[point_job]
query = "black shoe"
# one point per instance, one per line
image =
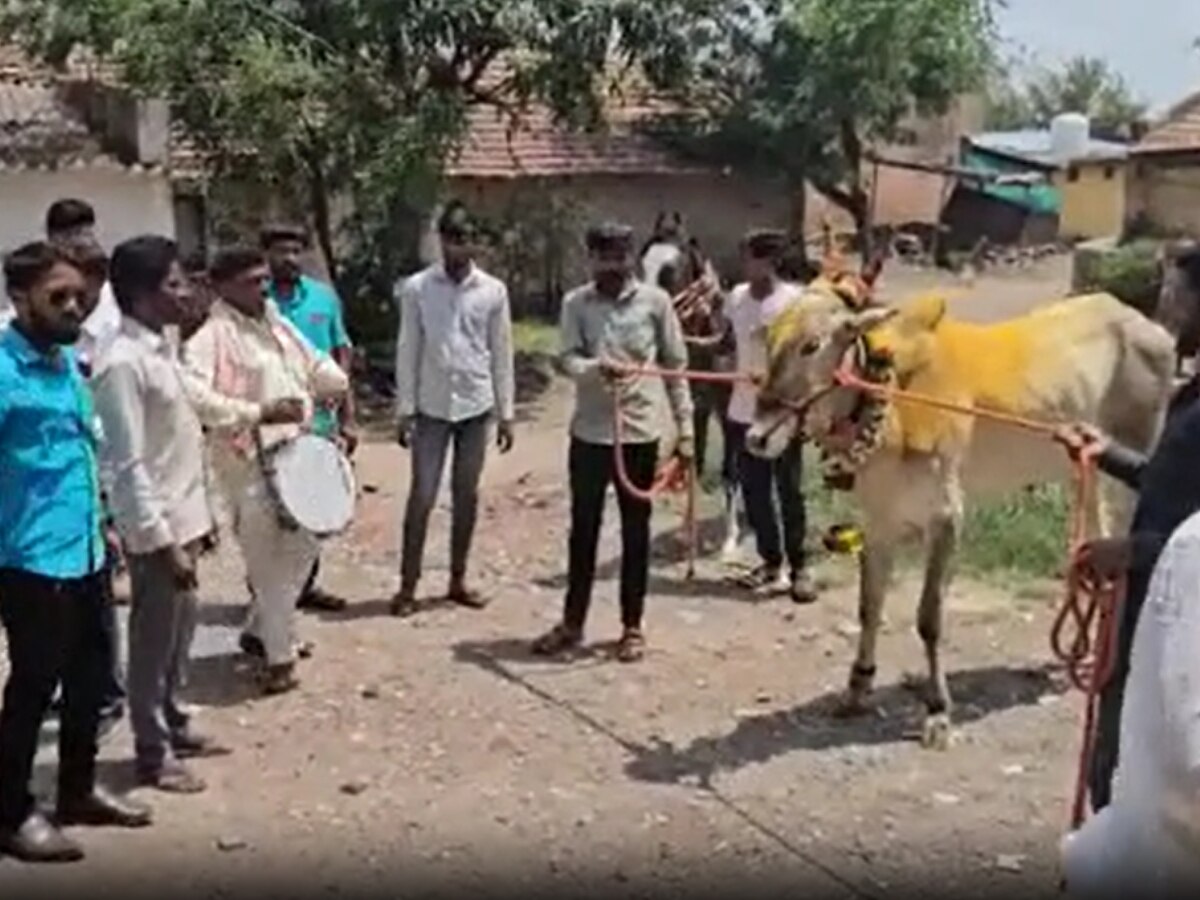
(251, 646)
(189, 745)
(171, 778)
(317, 600)
(102, 808)
(39, 841)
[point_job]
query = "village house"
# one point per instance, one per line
(1077, 192)
(1165, 174)
(66, 135)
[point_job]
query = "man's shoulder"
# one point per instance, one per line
(651, 294)
(321, 292)
(489, 281)
(579, 295)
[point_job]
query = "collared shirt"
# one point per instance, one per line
(751, 318)
(100, 329)
(152, 460)
(316, 311)
(50, 514)
(1147, 841)
(235, 365)
(454, 357)
(639, 327)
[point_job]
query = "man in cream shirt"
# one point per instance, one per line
(248, 369)
(152, 464)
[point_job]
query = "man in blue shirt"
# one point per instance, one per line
(316, 310)
(52, 558)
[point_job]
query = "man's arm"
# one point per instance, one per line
(1123, 464)
(500, 346)
(216, 411)
(408, 351)
(138, 509)
(575, 356)
(672, 351)
(1180, 664)
(326, 379)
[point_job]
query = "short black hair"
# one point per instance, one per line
(86, 254)
(139, 266)
(231, 262)
(30, 263)
(195, 263)
(456, 220)
(765, 243)
(277, 232)
(608, 236)
(68, 215)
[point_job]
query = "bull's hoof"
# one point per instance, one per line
(852, 706)
(936, 733)
(730, 552)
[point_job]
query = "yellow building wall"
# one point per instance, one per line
(1093, 205)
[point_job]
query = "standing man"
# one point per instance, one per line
(89, 258)
(153, 461)
(754, 305)
(1168, 486)
(254, 379)
(51, 560)
(75, 221)
(454, 374)
(316, 311)
(607, 325)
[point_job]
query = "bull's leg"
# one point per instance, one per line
(875, 574)
(733, 512)
(943, 541)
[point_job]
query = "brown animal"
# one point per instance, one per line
(1088, 358)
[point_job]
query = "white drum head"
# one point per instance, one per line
(315, 484)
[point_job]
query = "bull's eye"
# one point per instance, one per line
(809, 347)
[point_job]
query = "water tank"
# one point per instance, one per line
(1069, 135)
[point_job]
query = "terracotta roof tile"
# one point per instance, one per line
(1180, 131)
(537, 146)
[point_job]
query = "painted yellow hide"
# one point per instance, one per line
(1026, 366)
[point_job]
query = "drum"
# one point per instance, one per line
(312, 483)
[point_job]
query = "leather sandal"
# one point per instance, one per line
(558, 640)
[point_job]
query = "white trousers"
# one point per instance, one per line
(278, 561)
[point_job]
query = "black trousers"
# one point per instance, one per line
(765, 482)
(56, 634)
(711, 401)
(1112, 696)
(592, 469)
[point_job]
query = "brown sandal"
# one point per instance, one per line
(558, 640)
(631, 647)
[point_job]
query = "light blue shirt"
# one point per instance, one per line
(50, 513)
(316, 311)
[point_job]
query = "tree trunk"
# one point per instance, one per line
(797, 264)
(320, 208)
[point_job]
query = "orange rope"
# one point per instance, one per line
(1087, 607)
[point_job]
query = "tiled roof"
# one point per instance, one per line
(1179, 132)
(535, 145)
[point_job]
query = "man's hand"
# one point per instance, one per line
(183, 567)
(504, 436)
(1105, 560)
(404, 431)
(1081, 439)
(349, 439)
(615, 372)
(112, 546)
(288, 411)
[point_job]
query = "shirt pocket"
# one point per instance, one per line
(631, 335)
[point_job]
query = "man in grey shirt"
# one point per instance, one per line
(454, 374)
(607, 325)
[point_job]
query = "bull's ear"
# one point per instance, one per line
(871, 318)
(924, 313)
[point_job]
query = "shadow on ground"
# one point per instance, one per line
(812, 726)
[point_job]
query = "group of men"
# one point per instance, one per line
(136, 388)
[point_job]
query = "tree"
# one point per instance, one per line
(1085, 85)
(359, 99)
(804, 87)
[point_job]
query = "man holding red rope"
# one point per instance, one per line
(608, 325)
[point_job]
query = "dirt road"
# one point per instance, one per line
(433, 752)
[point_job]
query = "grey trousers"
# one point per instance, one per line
(162, 621)
(431, 443)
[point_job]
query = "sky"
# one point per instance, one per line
(1150, 42)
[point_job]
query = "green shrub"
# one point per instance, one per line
(1130, 273)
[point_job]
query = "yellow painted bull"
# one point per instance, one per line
(1088, 358)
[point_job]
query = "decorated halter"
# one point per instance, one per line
(861, 432)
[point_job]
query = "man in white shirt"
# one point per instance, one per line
(1146, 842)
(454, 374)
(254, 378)
(74, 221)
(152, 463)
(753, 306)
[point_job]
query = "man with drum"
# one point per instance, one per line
(316, 311)
(154, 471)
(454, 375)
(255, 381)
